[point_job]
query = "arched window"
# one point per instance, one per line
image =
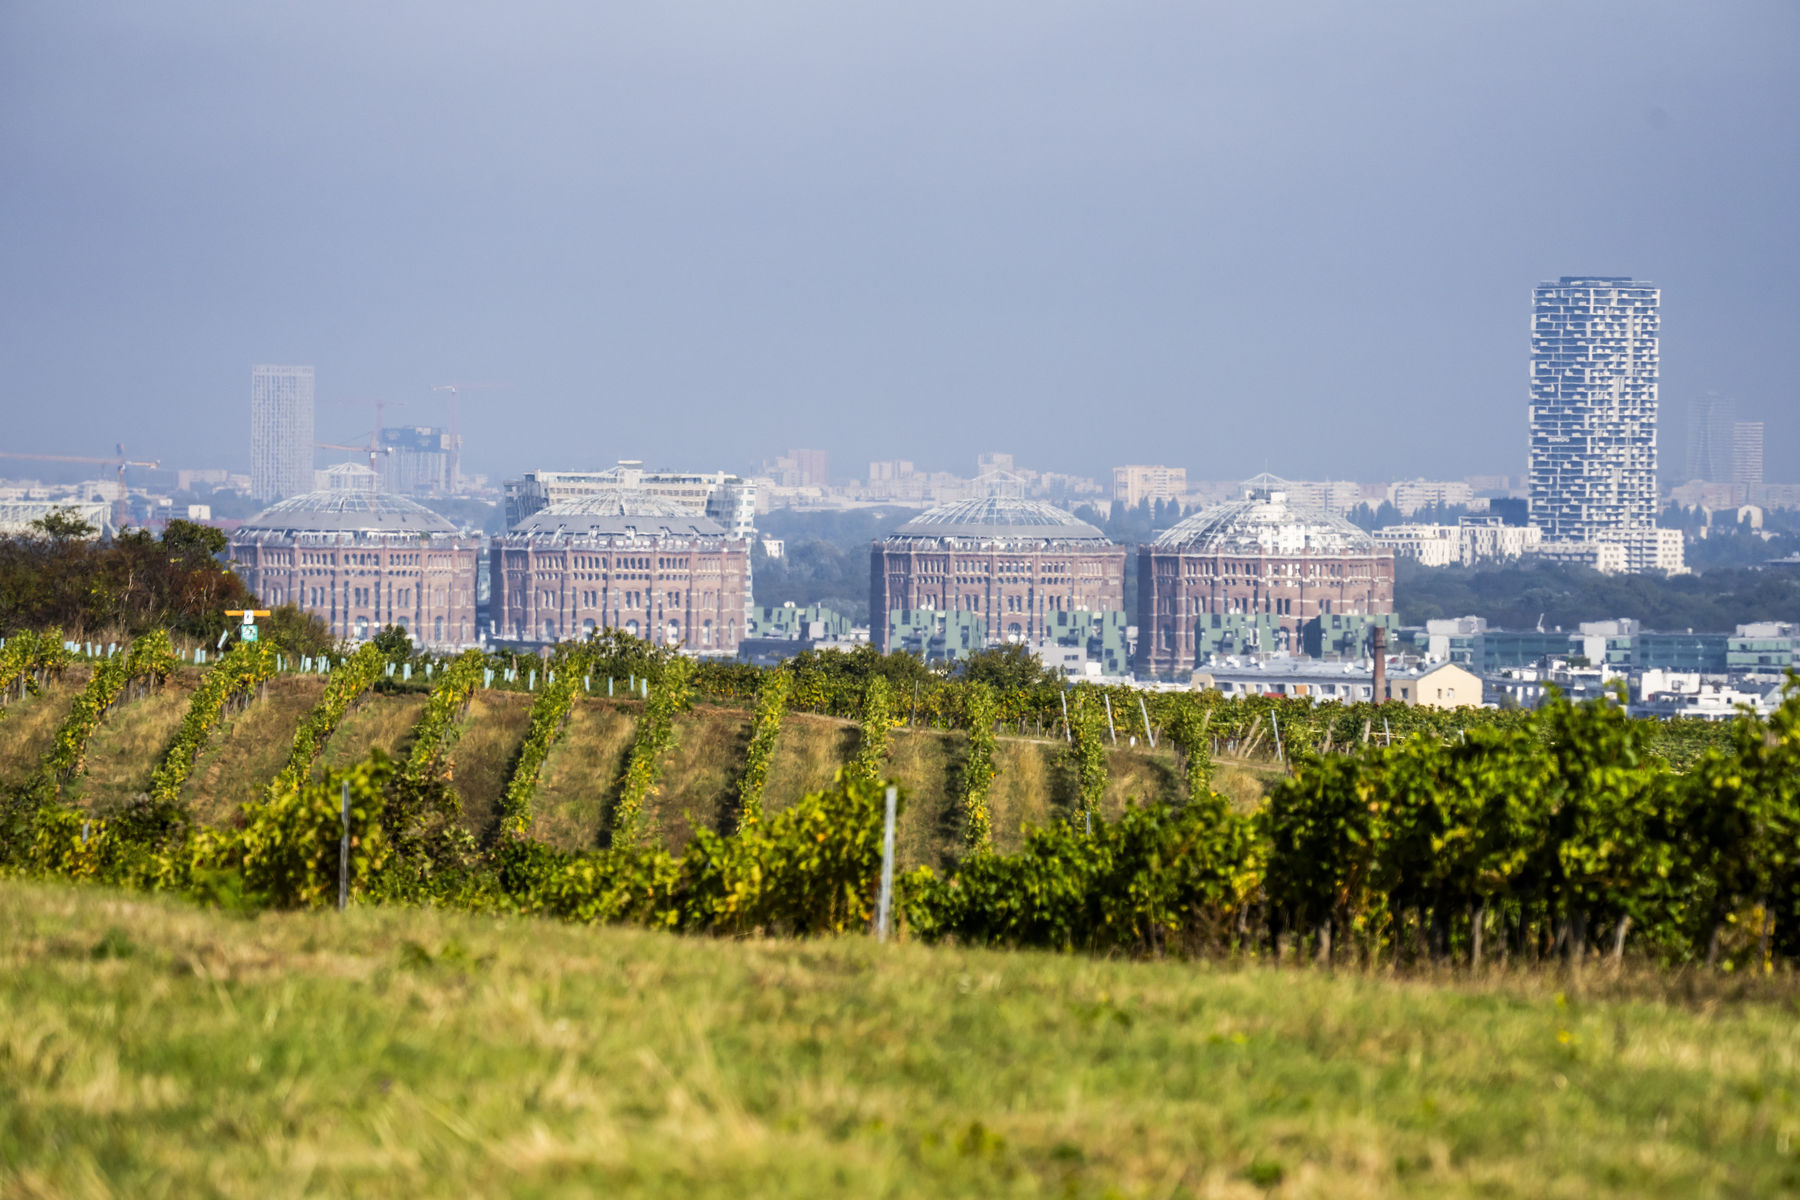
(1013, 632)
(549, 629)
(362, 629)
(437, 630)
(631, 627)
(706, 633)
(587, 627)
(674, 632)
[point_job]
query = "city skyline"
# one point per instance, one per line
(699, 242)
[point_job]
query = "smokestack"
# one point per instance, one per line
(1380, 651)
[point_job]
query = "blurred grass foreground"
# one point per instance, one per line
(152, 1048)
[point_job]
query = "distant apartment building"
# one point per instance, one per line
(1747, 453)
(281, 431)
(1594, 374)
(416, 460)
(727, 499)
(891, 471)
(1338, 496)
(1470, 541)
(797, 468)
(1606, 557)
(1594, 364)
(1410, 495)
(993, 460)
(1428, 545)
(1709, 438)
(1158, 484)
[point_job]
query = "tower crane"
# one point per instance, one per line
(456, 390)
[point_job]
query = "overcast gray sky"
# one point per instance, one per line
(1300, 236)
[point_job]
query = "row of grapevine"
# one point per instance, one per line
(146, 663)
(549, 712)
(869, 765)
(1087, 750)
(765, 728)
(654, 735)
(436, 729)
(346, 684)
(978, 768)
(27, 660)
(230, 680)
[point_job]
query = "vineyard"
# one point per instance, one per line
(615, 782)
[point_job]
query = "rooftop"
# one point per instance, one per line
(998, 519)
(1265, 520)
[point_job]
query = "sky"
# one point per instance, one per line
(1294, 237)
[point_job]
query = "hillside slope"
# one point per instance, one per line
(580, 779)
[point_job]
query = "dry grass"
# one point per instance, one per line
(581, 774)
(482, 758)
(129, 745)
(807, 756)
(29, 727)
(377, 722)
(700, 774)
(149, 1048)
(245, 755)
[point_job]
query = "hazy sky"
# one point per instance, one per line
(1300, 236)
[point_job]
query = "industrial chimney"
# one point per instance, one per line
(1380, 650)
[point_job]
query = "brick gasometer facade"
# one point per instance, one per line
(1006, 560)
(1256, 556)
(357, 583)
(1011, 589)
(666, 589)
(360, 559)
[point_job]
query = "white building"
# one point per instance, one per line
(1608, 558)
(1686, 694)
(17, 515)
(1594, 370)
(1470, 541)
(727, 499)
(1650, 550)
(1425, 685)
(281, 431)
(1410, 495)
(1430, 545)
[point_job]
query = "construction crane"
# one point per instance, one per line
(119, 461)
(456, 390)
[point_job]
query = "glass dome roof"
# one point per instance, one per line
(623, 512)
(1265, 521)
(997, 519)
(347, 511)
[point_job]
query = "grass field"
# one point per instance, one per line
(150, 1048)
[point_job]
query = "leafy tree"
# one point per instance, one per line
(1007, 668)
(63, 525)
(395, 644)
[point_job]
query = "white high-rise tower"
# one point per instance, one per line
(1593, 407)
(1594, 372)
(281, 431)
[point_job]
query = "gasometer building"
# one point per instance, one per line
(1007, 562)
(1259, 560)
